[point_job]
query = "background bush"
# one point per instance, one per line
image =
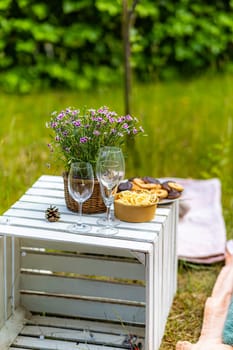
(78, 44)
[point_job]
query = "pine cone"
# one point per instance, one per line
(52, 214)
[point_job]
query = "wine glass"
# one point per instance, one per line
(110, 169)
(80, 186)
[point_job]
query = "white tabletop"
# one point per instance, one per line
(26, 219)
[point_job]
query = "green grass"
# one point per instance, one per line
(190, 134)
(185, 319)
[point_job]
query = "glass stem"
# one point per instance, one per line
(80, 213)
(108, 215)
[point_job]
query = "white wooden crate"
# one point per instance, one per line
(84, 290)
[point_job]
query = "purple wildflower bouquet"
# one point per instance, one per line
(77, 136)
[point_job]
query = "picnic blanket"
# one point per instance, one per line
(216, 331)
(201, 227)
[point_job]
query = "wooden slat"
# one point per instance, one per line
(89, 287)
(92, 240)
(82, 265)
(84, 335)
(34, 206)
(43, 200)
(55, 193)
(124, 232)
(49, 179)
(67, 332)
(47, 344)
(83, 308)
(94, 326)
(148, 227)
(27, 207)
(67, 217)
(48, 185)
(71, 247)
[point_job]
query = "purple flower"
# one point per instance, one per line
(87, 129)
(111, 120)
(77, 122)
(60, 116)
(97, 119)
(120, 119)
(103, 110)
(83, 139)
(125, 126)
(128, 117)
(92, 111)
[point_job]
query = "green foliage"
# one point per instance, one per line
(84, 38)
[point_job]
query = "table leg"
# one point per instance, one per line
(5, 277)
(13, 274)
(151, 331)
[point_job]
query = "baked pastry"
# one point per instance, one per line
(168, 189)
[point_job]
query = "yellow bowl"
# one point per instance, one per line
(134, 213)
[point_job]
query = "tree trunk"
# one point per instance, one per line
(126, 24)
(126, 52)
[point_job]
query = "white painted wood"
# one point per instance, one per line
(66, 332)
(88, 308)
(84, 335)
(149, 250)
(160, 290)
(82, 286)
(11, 273)
(45, 184)
(32, 209)
(37, 233)
(69, 323)
(151, 332)
(12, 328)
(89, 265)
(79, 248)
(150, 228)
(2, 292)
(140, 256)
(49, 179)
(47, 344)
(8, 277)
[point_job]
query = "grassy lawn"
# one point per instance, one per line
(190, 134)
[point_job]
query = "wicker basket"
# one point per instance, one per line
(94, 204)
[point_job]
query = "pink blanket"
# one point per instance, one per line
(201, 231)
